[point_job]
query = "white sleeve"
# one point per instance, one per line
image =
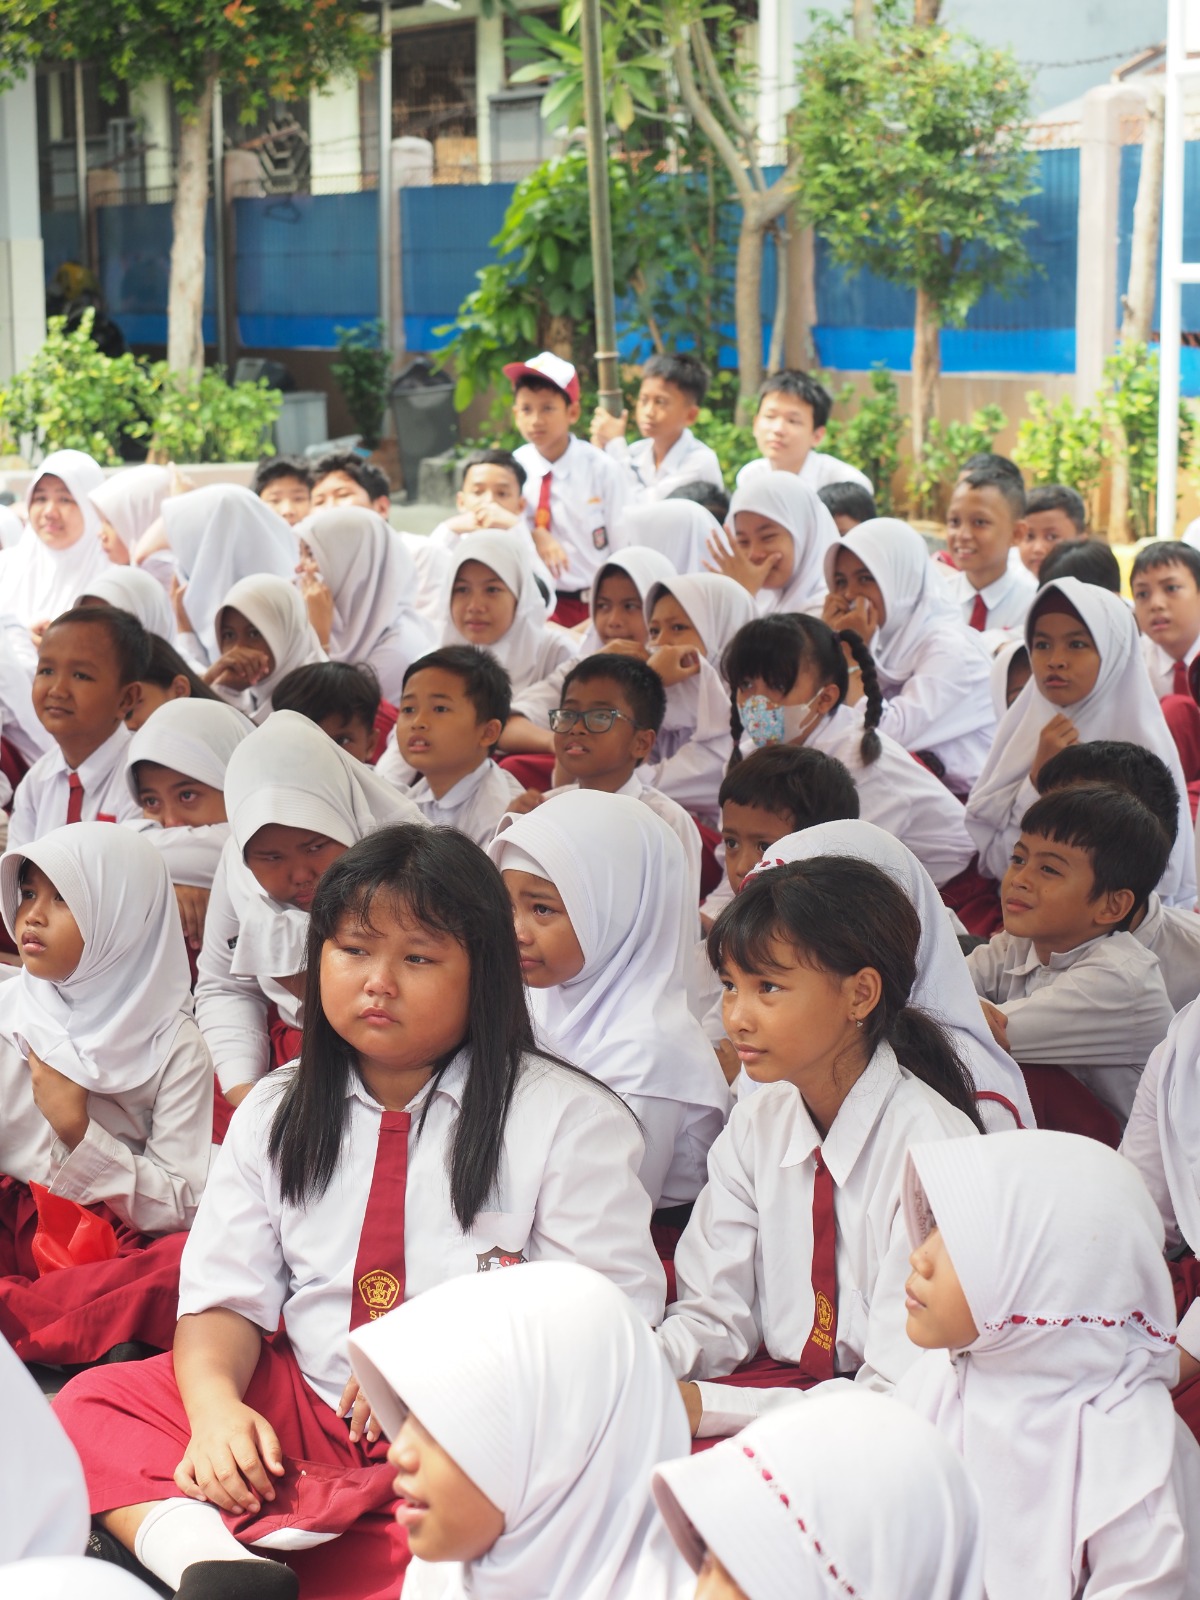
(22, 822)
(537, 700)
(985, 964)
(661, 1121)
(692, 776)
(155, 1190)
(932, 707)
(232, 1012)
(1094, 1014)
(1142, 1145)
(1142, 1555)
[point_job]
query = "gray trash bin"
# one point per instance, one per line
(426, 421)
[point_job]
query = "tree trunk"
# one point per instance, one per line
(864, 21)
(925, 12)
(185, 304)
(926, 368)
(781, 318)
(800, 348)
(747, 292)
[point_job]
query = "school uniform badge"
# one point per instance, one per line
(379, 1291)
(600, 538)
(495, 1258)
(823, 1324)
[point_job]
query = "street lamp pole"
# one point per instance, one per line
(598, 199)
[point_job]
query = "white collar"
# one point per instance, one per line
(857, 1117)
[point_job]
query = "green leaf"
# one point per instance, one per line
(550, 253)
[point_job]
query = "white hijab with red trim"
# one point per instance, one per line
(1061, 1407)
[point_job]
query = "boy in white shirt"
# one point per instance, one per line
(848, 504)
(1066, 983)
(1054, 514)
(455, 702)
(793, 410)
(1165, 583)
(984, 525)
(492, 497)
(668, 454)
(89, 663)
(577, 493)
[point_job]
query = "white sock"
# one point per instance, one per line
(178, 1532)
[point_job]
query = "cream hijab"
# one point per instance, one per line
(130, 500)
(716, 606)
(548, 1390)
(192, 737)
(132, 589)
(277, 610)
(372, 579)
(677, 529)
(643, 567)
(782, 497)
(530, 649)
(37, 583)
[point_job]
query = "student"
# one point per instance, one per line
(1171, 934)
(167, 676)
(59, 552)
(132, 589)
(712, 497)
(453, 706)
(128, 503)
(873, 1501)
(1066, 983)
(794, 1252)
(933, 670)
(295, 802)
(1039, 1295)
(357, 580)
(1054, 514)
(89, 665)
(422, 1136)
(1010, 672)
(107, 1087)
(1165, 584)
(777, 791)
(605, 935)
(989, 461)
(780, 533)
(668, 454)
(491, 601)
(1089, 560)
(789, 424)
(985, 523)
(285, 483)
(502, 1498)
(492, 499)
(264, 633)
(576, 492)
(343, 701)
(789, 683)
(848, 504)
(1088, 682)
(344, 479)
(681, 530)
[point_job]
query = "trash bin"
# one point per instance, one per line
(426, 421)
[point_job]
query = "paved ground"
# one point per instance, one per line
(417, 518)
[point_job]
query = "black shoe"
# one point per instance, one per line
(101, 1546)
(238, 1580)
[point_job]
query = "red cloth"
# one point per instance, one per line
(385, 721)
(12, 763)
(222, 1112)
(128, 1424)
(979, 614)
(571, 610)
(531, 770)
(816, 1359)
(711, 870)
(74, 798)
(1185, 1279)
(761, 1371)
(1064, 1105)
(379, 1264)
(1179, 680)
(80, 1313)
(1182, 717)
(285, 1040)
(975, 899)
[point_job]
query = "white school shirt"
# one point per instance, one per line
(474, 805)
(1102, 1005)
(567, 1190)
(744, 1264)
(1161, 666)
(191, 854)
(672, 813)
(587, 494)
(40, 803)
(687, 461)
(146, 1151)
(818, 472)
(694, 745)
(1007, 600)
(1173, 936)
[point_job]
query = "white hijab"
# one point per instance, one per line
(559, 1412)
(943, 987)
(643, 567)
(11, 528)
(372, 579)
(193, 737)
(622, 876)
(1122, 705)
(37, 583)
(130, 500)
(70, 1578)
(111, 1024)
(41, 1481)
(218, 535)
(847, 1493)
(277, 610)
(132, 589)
(782, 497)
(678, 529)
(998, 677)
(1061, 1407)
(1178, 1120)
(716, 607)
(531, 649)
(289, 772)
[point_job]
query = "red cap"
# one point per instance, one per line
(550, 367)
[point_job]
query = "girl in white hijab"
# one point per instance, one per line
(534, 1443)
(616, 873)
(127, 503)
(933, 669)
(681, 530)
(59, 553)
(369, 580)
(264, 633)
(781, 532)
(1040, 1294)
(133, 590)
(491, 600)
(1112, 699)
(847, 1494)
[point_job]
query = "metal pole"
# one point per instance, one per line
(1170, 315)
(385, 168)
(602, 267)
(81, 168)
(220, 265)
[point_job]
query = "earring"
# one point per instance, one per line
(858, 1021)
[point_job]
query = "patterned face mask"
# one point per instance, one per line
(767, 723)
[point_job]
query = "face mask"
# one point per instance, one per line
(767, 723)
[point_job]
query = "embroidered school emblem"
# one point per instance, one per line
(379, 1291)
(821, 1329)
(600, 538)
(495, 1258)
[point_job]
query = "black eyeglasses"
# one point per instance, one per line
(594, 721)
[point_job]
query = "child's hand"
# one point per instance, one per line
(193, 904)
(551, 552)
(238, 668)
(182, 621)
(625, 647)
(489, 515)
(606, 427)
(1058, 733)
(839, 613)
(318, 598)
(36, 631)
(525, 803)
(1189, 1367)
(996, 1021)
(362, 1423)
(61, 1102)
(230, 1459)
(731, 562)
(464, 522)
(692, 1405)
(674, 662)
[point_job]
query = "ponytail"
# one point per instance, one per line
(870, 749)
(926, 1049)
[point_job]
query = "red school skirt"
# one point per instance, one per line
(130, 1429)
(79, 1313)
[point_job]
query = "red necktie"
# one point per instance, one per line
(816, 1359)
(979, 614)
(379, 1265)
(74, 798)
(1181, 684)
(541, 517)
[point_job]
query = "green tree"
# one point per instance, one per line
(279, 50)
(1129, 403)
(910, 144)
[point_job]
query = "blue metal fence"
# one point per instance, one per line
(306, 265)
(135, 270)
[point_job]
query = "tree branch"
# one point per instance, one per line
(711, 125)
(743, 132)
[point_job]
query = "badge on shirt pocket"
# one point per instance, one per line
(495, 1258)
(600, 538)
